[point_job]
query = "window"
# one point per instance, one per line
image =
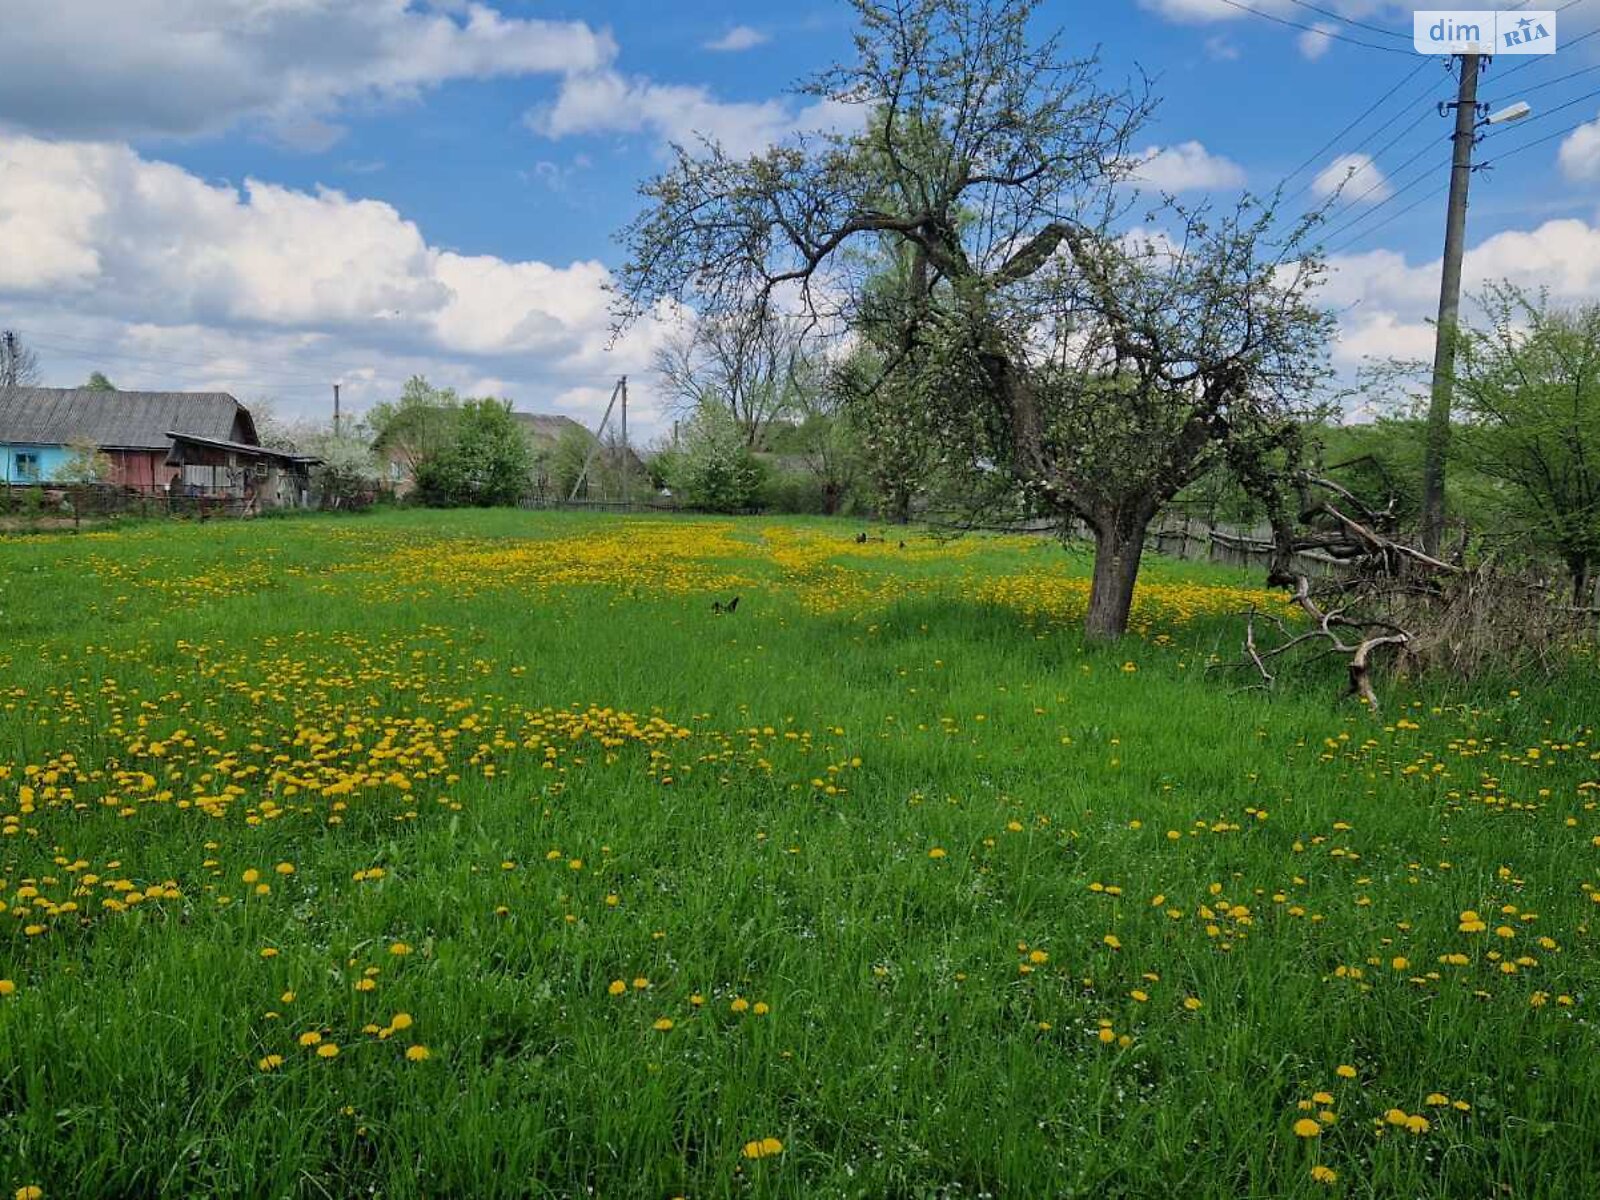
(27, 467)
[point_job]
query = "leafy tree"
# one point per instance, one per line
(19, 366)
(712, 467)
(349, 473)
(567, 457)
(85, 471)
(488, 462)
(97, 382)
(894, 444)
(1529, 393)
(418, 427)
(1092, 374)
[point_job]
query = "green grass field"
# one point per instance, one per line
(473, 855)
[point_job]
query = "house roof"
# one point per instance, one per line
(244, 448)
(548, 426)
(119, 420)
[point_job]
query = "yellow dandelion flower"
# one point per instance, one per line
(1307, 1128)
(328, 1050)
(763, 1148)
(418, 1054)
(1324, 1174)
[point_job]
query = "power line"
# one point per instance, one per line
(1338, 37)
(1327, 12)
(1549, 137)
(1539, 87)
(1370, 109)
(1382, 204)
(1389, 220)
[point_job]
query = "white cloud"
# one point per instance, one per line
(609, 102)
(129, 68)
(1315, 42)
(1188, 166)
(1220, 49)
(1354, 176)
(234, 287)
(740, 37)
(1580, 154)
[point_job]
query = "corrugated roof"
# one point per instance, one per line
(129, 420)
(241, 448)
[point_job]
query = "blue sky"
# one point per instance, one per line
(266, 195)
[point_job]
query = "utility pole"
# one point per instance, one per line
(627, 459)
(336, 410)
(1437, 447)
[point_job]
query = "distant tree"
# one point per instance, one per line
(85, 471)
(754, 365)
(713, 467)
(1529, 388)
(488, 462)
(419, 426)
(349, 473)
(566, 460)
(97, 382)
(19, 366)
(896, 449)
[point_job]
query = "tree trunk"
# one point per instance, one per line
(1582, 582)
(1117, 547)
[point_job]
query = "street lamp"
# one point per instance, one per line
(1512, 112)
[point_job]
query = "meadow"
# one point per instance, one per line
(475, 855)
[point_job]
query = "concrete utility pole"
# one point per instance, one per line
(336, 410)
(1444, 353)
(627, 460)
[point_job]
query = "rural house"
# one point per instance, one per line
(201, 444)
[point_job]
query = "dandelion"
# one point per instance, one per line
(7, 987)
(765, 1147)
(1113, 941)
(937, 852)
(617, 987)
(400, 1021)
(1325, 1175)
(1345, 1071)
(1192, 1003)
(30, 1192)
(740, 1004)
(762, 1008)
(663, 1025)
(310, 1038)
(1307, 1128)
(399, 949)
(328, 1050)
(418, 1054)
(270, 1063)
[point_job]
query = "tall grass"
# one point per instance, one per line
(893, 871)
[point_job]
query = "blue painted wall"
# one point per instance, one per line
(51, 459)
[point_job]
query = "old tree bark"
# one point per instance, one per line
(1091, 373)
